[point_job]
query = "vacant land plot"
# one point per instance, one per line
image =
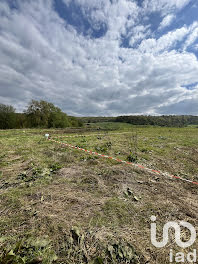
(66, 206)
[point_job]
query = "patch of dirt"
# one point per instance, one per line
(69, 172)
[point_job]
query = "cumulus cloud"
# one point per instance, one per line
(164, 6)
(166, 42)
(167, 20)
(193, 36)
(127, 70)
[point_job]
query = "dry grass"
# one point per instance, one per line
(45, 190)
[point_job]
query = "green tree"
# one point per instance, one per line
(7, 116)
(46, 115)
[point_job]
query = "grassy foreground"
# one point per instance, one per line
(59, 205)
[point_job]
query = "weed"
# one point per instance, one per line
(104, 147)
(55, 167)
(84, 247)
(133, 147)
(132, 157)
(28, 252)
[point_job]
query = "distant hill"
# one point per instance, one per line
(164, 120)
(98, 119)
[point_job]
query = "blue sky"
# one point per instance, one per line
(100, 57)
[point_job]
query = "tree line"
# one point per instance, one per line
(39, 114)
(96, 119)
(164, 120)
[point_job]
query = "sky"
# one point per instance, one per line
(100, 57)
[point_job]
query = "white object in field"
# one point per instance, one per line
(46, 136)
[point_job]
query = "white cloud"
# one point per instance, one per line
(43, 58)
(165, 42)
(138, 33)
(164, 6)
(193, 36)
(167, 20)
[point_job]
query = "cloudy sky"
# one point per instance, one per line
(100, 57)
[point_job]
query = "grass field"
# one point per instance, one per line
(66, 206)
